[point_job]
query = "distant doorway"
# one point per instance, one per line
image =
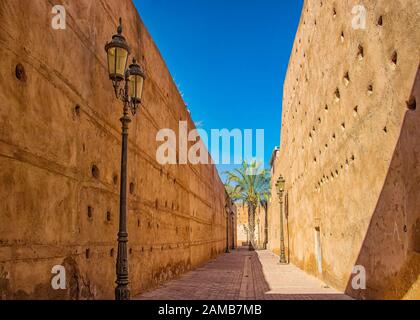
(318, 251)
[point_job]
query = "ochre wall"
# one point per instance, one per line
(350, 146)
(59, 121)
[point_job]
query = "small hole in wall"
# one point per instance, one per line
(138, 223)
(346, 78)
(370, 89)
(360, 52)
(326, 108)
(20, 72)
(356, 110)
(342, 36)
(394, 58)
(343, 126)
(87, 253)
(334, 12)
(412, 104)
(95, 171)
(111, 253)
(108, 216)
(156, 204)
(380, 21)
(337, 94)
(132, 188)
(385, 129)
(115, 179)
(333, 136)
(405, 229)
(90, 212)
(131, 251)
(77, 110)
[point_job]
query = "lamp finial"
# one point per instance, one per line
(120, 29)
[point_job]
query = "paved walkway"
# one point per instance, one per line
(244, 275)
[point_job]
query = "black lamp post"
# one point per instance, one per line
(227, 209)
(130, 94)
(233, 231)
(280, 191)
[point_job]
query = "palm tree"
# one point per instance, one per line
(248, 184)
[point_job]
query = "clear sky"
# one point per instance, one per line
(228, 58)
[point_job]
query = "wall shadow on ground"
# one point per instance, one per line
(262, 287)
(390, 251)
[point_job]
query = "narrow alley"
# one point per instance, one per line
(245, 275)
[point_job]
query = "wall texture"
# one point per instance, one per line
(60, 156)
(350, 147)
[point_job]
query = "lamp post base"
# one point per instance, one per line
(283, 260)
(122, 293)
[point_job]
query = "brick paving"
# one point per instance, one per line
(244, 275)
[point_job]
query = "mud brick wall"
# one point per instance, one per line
(350, 147)
(60, 159)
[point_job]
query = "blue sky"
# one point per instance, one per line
(228, 57)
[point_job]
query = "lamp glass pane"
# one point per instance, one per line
(135, 87)
(117, 61)
(280, 185)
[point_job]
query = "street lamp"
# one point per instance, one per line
(130, 94)
(227, 209)
(233, 230)
(280, 191)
